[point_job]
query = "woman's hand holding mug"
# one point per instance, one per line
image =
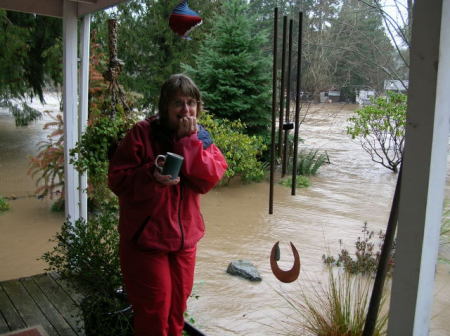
(168, 167)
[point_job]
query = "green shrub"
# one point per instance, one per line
(231, 68)
(106, 316)
(91, 153)
(240, 150)
(86, 255)
(4, 205)
(381, 129)
(310, 162)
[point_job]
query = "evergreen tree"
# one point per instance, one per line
(30, 59)
(150, 49)
(232, 71)
(31, 54)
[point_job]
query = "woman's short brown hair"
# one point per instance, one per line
(178, 84)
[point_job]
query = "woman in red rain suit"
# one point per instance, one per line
(160, 220)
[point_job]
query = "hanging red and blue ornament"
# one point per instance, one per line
(183, 20)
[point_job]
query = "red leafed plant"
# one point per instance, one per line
(48, 164)
(47, 167)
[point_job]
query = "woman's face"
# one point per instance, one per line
(179, 107)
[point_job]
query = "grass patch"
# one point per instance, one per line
(300, 182)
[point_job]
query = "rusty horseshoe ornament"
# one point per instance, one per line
(284, 276)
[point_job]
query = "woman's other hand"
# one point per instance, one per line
(186, 126)
(165, 179)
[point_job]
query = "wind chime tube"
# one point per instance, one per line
(283, 70)
(288, 101)
(297, 102)
(274, 106)
(377, 291)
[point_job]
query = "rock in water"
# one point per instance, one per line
(244, 269)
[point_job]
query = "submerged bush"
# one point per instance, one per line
(241, 151)
(4, 205)
(380, 127)
(308, 163)
(366, 256)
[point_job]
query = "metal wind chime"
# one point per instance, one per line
(284, 126)
(279, 150)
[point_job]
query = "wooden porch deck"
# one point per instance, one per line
(41, 299)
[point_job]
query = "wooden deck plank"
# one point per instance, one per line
(77, 297)
(3, 325)
(60, 300)
(26, 306)
(47, 308)
(9, 312)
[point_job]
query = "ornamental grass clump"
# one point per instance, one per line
(338, 308)
(309, 162)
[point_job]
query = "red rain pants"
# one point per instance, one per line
(158, 285)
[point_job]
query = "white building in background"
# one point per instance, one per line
(330, 96)
(396, 85)
(363, 96)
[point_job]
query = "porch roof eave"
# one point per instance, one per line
(55, 7)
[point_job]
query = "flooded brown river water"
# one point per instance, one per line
(345, 194)
(26, 228)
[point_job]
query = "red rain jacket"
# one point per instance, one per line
(153, 216)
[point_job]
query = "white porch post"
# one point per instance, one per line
(84, 95)
(70, 97)
(424, 171)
